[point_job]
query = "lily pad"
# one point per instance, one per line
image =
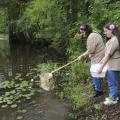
(19, 117)
(13, 106)
(4, 106)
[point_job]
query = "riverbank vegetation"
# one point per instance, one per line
(3, 22)
(55, 24)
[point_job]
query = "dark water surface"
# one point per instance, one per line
(21, 58)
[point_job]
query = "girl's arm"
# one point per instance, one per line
(103, 62)
(85, 54)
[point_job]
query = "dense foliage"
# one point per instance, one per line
(58, 20)
(3, 22)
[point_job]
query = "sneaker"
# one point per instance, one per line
(109, 98)
(97, 93)
(109, 101)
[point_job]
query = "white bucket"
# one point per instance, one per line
(94, 73)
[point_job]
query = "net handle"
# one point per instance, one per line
(65, 65)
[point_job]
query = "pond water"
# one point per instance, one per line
(21, 58)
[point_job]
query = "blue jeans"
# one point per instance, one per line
(97, 83)
(112, 79)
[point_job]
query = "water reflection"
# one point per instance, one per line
(20, 58)
(8, 114)
(4, 53)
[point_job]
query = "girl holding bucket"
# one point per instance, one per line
(112, 59)
(95, 50)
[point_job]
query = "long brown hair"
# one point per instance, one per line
(86, 28)
(115, 31)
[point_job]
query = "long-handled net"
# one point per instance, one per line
(46, 79)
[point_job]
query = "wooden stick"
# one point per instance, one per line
(64, 65)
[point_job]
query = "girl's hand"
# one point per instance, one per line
(80, 57)
(99, 70)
